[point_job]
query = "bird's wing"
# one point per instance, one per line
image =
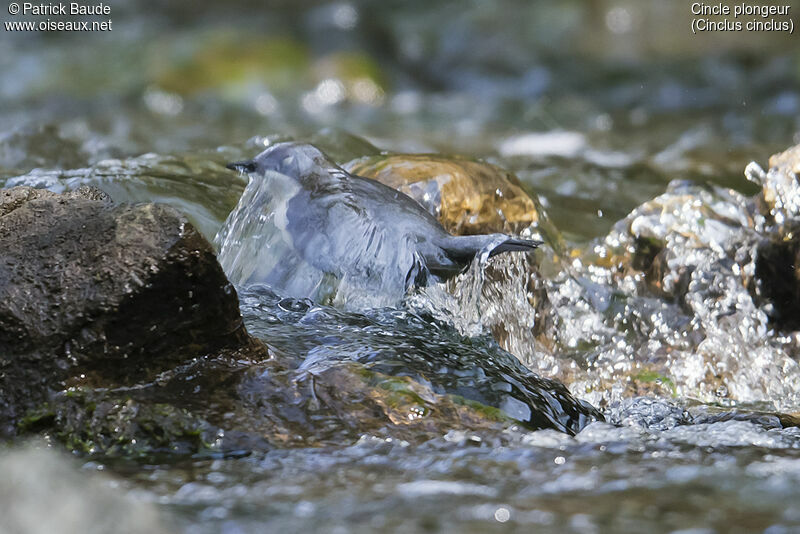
(391, 205)
(338, 235)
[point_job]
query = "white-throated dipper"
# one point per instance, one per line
(356, 228)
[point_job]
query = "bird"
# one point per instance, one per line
(360, 230)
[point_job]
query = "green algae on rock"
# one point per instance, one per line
(230, 63)
(396, 346)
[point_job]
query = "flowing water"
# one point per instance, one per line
(638, 156)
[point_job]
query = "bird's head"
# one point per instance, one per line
(295, 160)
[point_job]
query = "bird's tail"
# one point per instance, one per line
(462, 249)
(459, 251)
(513, 244)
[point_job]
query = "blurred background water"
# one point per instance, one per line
(596, 105)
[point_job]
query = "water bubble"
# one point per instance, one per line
(619, 20)
(266, 104)
(502, 514)
(162, 102)
(345, 16)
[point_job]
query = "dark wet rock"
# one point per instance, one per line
(400, 367)
(468, 197)
(710, 414)
(96, 422)
(191, 409)
(43, 490)
(227, 407)
(778, 257)
(778, 276)
(101, 294)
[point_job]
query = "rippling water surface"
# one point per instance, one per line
(697, 381)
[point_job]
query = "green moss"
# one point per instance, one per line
(351, 67)
(36, 420)
(650, 376)
(401, 394)
(91, 423)
(489, 412)
(230, 62)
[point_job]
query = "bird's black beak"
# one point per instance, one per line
(242, 166)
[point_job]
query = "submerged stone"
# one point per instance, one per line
(407, 369)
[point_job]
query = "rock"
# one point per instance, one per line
(358, 373)
(220, 407)
(333, 403)
(98, 294)
(468, 197)
(780, 189)
(94, 422)
(778, 259)
(120, 337)
(11, 199)
(687, 289)
(44, 491)
(777, 276)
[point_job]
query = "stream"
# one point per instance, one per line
(633, 138)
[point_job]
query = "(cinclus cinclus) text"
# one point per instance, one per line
(359, 229)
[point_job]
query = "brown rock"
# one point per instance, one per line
(468, 197)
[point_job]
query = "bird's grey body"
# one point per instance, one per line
(358, 229)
